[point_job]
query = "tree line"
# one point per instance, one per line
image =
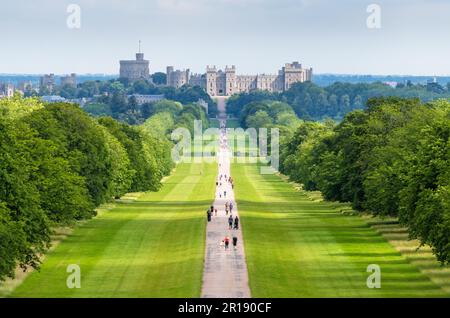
(390, 159)
(313, 102)
(111, 98)
(117, 104)
(58, 163)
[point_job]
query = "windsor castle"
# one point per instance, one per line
(226, 82)
(218, 82)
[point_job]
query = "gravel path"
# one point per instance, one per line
(225, 270)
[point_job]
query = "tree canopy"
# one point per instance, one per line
(57, 164)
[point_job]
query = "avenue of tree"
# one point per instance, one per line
(390, 159)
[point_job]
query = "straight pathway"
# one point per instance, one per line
(225, 270)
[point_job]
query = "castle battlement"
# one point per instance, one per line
(230, 69)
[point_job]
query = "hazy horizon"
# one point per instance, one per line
(164, 71)
(258, 36)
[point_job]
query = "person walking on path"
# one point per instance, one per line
(226, 240)
(224, 194)
(208, 215)
(236, 223)
(235, 239)
(230, 222)
(231, 207)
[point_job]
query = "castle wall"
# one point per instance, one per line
(198, 80)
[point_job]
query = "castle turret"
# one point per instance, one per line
(139, 56)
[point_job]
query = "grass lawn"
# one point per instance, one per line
(233, 123)
(299, 247)
(214, 123)
(150, 247)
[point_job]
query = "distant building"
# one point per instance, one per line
(292, 73)
(70, 80)
(25, 86)
(177, 78)
(80, 101)
(134, 70)
(145, 99)
(226, 83)
(48, 81)
(59, 99)
(432, 80)
(7, 90)
(391, 84)
(53, 99)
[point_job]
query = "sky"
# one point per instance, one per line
(258, 36)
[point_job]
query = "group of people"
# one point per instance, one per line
(228, 208)
(210, 212)
(229, 180)
(235, 222)
(226, 242)
(222, 180)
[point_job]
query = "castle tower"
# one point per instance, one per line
(211, 80)
(169, 71)
(177, 78)
(134, 70)
(294, 73)
(230, 80)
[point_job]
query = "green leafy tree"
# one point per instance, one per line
(24, 226)
(159, 78)
(260, 119)
(81, 141)
(146, 174)
(122, 174)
